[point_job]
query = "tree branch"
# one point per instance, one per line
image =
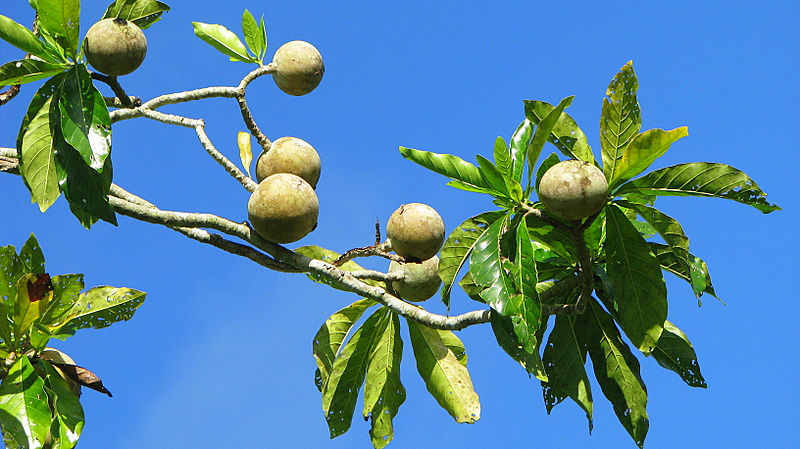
(114, 84)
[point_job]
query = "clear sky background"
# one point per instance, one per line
(219, 355)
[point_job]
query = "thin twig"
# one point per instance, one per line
(114, 84)
(8, 94)
(378, 249)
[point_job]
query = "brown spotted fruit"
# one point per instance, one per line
(290, 155)
(283, 208)
(420, 280)
(298, 68)
(415, 231)
(115, 46)
(573, 189)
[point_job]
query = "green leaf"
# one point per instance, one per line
(61, 19)
(143, 13)
(38, 164)
(696, 273)
(223, 40)
(554, 239)
(492, 176)
(642, 151)
(326, 255)
(502, 157)
(468, 187)
(566, 135)
(508, 340)
(263, 29)
(22, 38)
(564, 361)
(101, 307)
(347, 374)
(454, 344)
(26, 309)
(672, 232)
(550, 161)
(31, 255)
(675, 353)
(24, 412)
(253, 36)
(49, 88)
(447, 165)
(458, 246)
(701, 179)
(519, 149)
(544, 129)
(85, 188)
(486, 267)
(620, 119)
(66, 291)
(616, 370)
(445, 377)
(524, 307)
(85, 122)
(331, 335)
(27, 71)
(383, 391)
(638, 291)
(67, 409)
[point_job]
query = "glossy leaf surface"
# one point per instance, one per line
(143, 13)
(445, 377)
(331, 335)
(447, 165)
(223, 39)
(701, 179)
(564, 361)
(675, 353)
(383, 391)
(620, 119)
(347, 374)
(616, 370)
(458, 246)
(566, 135)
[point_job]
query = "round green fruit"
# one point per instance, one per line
(298, 68)
(290, 155)
(573, 189)
(283, 208)
(115, 46)
(421, 280)
(415, 231)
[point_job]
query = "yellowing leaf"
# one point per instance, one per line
(245, 150)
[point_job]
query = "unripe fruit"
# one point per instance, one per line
(290, 155)
(415, 231)
(54, 355)
(573, 189)
(299, 67)
(115, 46)
(421, 280)
(283, 208)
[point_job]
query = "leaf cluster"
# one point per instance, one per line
(227, 43)
(64, 141)
(36, 402)
(601, 278)
(351, 354)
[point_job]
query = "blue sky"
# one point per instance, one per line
(220, 353)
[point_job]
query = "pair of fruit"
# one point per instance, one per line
(117, 47)
(284, 207)
(416, 232)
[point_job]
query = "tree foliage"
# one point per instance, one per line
(597, 284)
